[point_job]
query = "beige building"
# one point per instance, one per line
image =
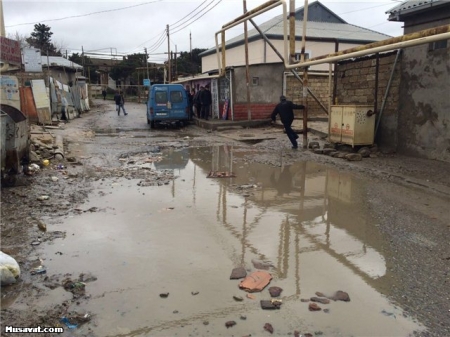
(326, 33)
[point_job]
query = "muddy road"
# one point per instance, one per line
(139, 241)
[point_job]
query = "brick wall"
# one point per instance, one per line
(259, 111)
(318, 84)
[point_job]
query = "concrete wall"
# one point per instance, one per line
(355, 84)
(424, 106)
(263, 97)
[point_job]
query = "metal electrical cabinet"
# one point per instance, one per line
(352, 124)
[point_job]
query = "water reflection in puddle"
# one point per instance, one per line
(307, 220)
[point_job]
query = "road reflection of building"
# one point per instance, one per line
(320, 213)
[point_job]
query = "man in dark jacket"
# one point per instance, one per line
(120, 102)
(286, 111)
(206, 100)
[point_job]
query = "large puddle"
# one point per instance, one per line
(185, 237)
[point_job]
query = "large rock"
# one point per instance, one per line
(9, 269)
(353, 157)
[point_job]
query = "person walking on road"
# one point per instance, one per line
(64, 113)
(286, 112)
(120, 102)
(206, 100)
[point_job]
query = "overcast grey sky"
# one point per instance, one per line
(130, 26)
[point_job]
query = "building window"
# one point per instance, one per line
(298, 56)
(255, 81)
(442, 44)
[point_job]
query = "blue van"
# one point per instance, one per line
(167, 103)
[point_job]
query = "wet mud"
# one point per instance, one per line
(140, 216)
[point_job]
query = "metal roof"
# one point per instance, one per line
(342, 32)
(414, 5)
(58, 61)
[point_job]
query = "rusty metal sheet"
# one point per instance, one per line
(256, 281)
(27, 103)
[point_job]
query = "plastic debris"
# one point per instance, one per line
(65, 320)
(9, 269)
(38, 270)
(43, 197)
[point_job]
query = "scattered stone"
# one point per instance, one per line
(275, 291)
(71, 159)
(328, 152)
(314, 307)
(238, 298)
(230, 324)
(268, 327)
(329, 146)
(313, 145)
(205, 323)
(320, 300)
(250, 296)
(256, 281)
(341, 296)
(304, 300)
(193, 293)
(41, 225)
(334, 154)
(318, 293)
(373, 155)
(164, 295)
(353, 157)
(308, 334)
(318, 151)
(326, 311)
(55, 179)
(270, 304)
(175, 311)
(341, 155)
(238, 273)
(243, 317)
(258, 264)
(364, 152)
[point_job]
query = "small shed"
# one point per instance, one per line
(15, 138)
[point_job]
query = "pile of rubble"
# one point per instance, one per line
(345, 151)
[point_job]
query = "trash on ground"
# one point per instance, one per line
(9, 269)
(164, 295)
(220, 174)
(38, 270)
(43, 197)
(270, 304)
(238, 273)
(65, 320)
(256, 281)
(238, 298)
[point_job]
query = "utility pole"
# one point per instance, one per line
(305, 79)
(292, 31)
(247, 68)
(82, 58)
(170, 56)
(190, 43)
(146, 63)
(176, 64)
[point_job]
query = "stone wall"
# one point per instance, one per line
(355, 85)
(319, 86)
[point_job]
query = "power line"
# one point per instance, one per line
(175, 26)
(87, 14)
(197, 18)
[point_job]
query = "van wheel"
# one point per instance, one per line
(152, 124)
